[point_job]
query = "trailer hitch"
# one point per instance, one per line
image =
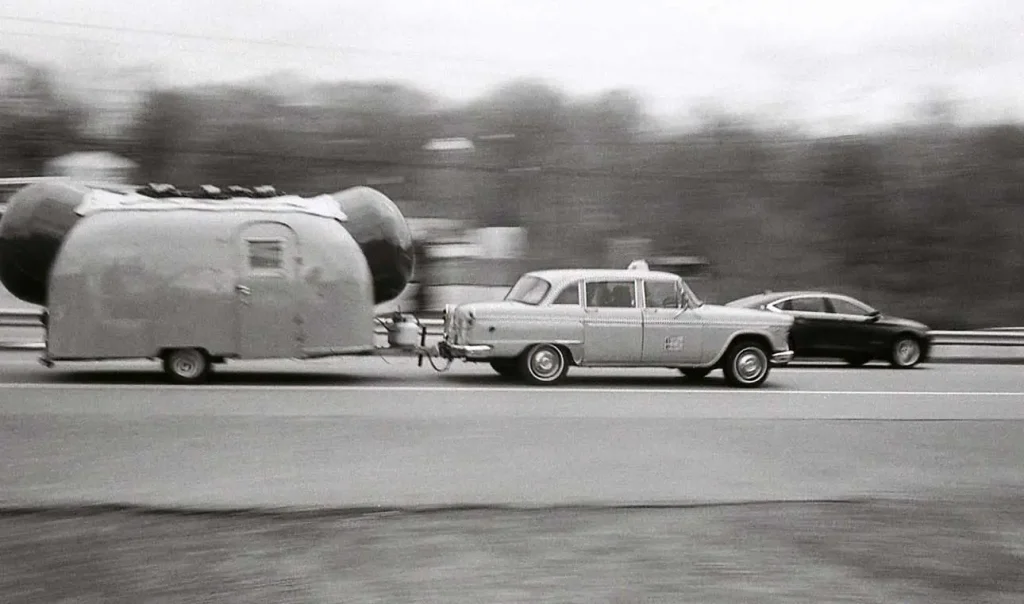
(432, 353)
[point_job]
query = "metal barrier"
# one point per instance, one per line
(990, 337)
(20, 318)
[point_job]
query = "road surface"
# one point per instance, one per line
(370, 432)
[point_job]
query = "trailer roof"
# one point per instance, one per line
(107, 201)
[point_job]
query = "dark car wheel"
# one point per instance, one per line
(696, 373)
(746, 364)
(543, 364)
(906, 352)
(857, 360)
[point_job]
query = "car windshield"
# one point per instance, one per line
(528, 290)
(691, 297)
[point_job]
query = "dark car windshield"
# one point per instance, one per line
(528, 290)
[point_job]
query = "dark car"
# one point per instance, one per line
(830, 325)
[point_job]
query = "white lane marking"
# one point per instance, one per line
(455, 388)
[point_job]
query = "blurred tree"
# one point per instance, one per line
(162, 130)
(852, 185)
(532, 115)
(924, 220)
(37, 124)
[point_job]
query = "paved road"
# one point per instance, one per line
(375, 432)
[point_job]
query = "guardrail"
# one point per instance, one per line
(992, 337)
(20, 318)
(996, 336)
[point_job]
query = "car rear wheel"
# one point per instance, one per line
(543, 364)
(906, 352)
(746, 364)
(186, 365)
(696, 373)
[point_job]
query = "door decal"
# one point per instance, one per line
(674, 343)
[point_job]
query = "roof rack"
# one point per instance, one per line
(161, 190)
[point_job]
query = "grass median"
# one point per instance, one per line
(934, 551)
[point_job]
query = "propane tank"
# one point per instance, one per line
(404, 332)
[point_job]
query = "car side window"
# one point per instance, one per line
(611, 294)
(662, 294)
(809, 304)
(569, 296)
(844, 307)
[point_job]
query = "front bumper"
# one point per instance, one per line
(463, 351)
(782, 358)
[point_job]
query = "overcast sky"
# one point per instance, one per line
(814, 60)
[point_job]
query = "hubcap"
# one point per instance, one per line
(545, 364)
(750, 364)
(907, 352)
(187, 364)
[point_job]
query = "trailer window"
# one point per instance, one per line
(266, 254)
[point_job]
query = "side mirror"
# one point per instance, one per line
(874, 316)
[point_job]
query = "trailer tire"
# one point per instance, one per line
(186, 365)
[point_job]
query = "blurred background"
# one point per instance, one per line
(878, 152)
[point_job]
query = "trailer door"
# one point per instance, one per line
(269, 319)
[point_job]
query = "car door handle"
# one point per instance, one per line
(245, 291)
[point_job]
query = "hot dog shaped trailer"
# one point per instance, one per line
(195, 279)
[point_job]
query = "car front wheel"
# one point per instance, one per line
(543, 364)
(906, 352)
(746, 365)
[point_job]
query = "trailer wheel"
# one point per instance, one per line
(186, 365)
